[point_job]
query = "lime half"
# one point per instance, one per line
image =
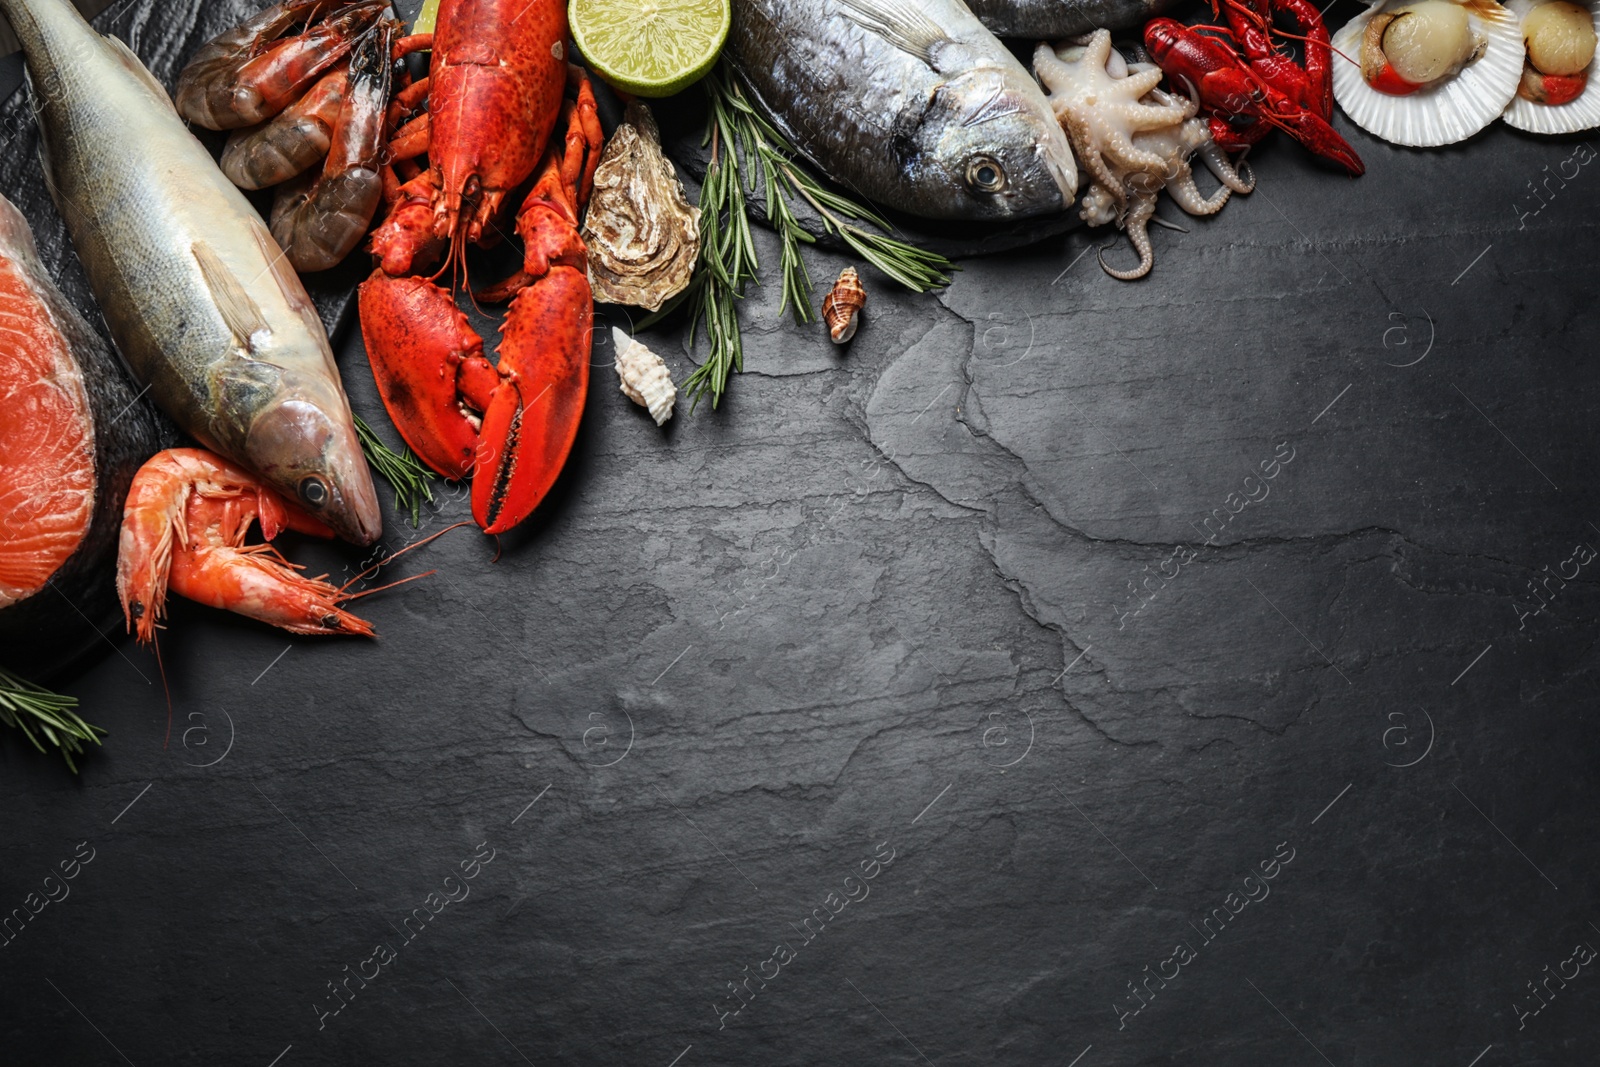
(650, 47)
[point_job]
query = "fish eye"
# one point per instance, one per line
(986, 175)
(313, 491)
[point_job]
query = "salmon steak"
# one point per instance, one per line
(72, 433)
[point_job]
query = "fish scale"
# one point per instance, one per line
(192, 285)
(915, 106)
(1051, 19)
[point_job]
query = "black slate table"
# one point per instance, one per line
(1071, 672)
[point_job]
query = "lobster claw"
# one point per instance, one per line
(507, 426)
(423, 352)
(532, 418)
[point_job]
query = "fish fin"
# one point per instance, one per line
(289, 283)
(997, 106)
(35, 108)
(137, 68)
(239, 311)
(899, 23)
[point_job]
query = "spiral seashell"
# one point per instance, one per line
(841, 308)
(645, 378)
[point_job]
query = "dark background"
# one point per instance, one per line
(875, 598)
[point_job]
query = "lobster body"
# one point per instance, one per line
(495, 93)
(495, 87)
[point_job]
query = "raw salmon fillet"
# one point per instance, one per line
(47, 476)
(73, 431)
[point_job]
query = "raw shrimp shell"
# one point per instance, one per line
(1581, 113)
(1450, 111)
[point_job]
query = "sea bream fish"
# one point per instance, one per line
(910, 103)
(198, 296)
(1049, 19)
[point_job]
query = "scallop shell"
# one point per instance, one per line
(642, 234)
(1450, 111)
(1582, 113)
(841, 308)
(645, 378)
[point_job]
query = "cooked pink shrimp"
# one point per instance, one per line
(183, 529)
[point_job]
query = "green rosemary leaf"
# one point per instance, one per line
(411, 479)
(749, 157)
(37, 711)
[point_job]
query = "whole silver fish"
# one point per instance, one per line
(911, 103)
(199, 298)
(1041, 19)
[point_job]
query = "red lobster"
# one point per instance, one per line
(1266, 86)
(495, 90)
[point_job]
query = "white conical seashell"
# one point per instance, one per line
(645, 378)
(1582, 113)
(1451, 110)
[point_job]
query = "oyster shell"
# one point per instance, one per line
(643, 235)
(645, 378)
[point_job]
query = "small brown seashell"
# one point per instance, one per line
(841, 308)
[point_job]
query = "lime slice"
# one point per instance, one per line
(650, 47)
(428, 17)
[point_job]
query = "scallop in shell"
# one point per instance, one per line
(1581, 113)
(643, 235)
(1446, 111)
(645, 378)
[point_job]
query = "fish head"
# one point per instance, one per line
(988, 146)
(308, 451)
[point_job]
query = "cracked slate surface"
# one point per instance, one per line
(876, 598)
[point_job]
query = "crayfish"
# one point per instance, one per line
(1248, 85)
(495, 91)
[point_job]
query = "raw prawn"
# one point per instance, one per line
(250, 73)
(319, 219)
(290, 144)
(183, 530)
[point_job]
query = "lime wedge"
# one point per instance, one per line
(427, 18)
(650, 47)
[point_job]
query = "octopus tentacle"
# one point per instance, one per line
(1137, 221)
(1238, 178)
(1085, 148)
(1121, 148)
(1183, 190)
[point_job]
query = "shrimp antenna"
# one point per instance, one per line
(385, 588)
(376, 567)
(155, 639)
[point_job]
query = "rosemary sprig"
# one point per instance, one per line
(412, 480)
(37, 711)
(740, 138)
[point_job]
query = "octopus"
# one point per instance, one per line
(1133, 139)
